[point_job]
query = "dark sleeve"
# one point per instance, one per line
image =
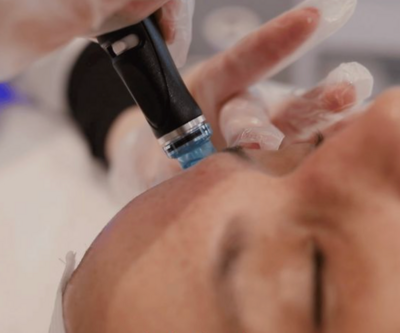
(96, 97)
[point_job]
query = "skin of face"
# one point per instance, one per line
(238, 245)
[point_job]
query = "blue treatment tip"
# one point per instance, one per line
(194, 153)
(192, 148)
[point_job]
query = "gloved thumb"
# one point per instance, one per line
(175, 19)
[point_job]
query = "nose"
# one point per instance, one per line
(347, 194)
(363, 155)
(379, 138)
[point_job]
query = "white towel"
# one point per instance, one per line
(57, 320)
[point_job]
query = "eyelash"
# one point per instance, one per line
(319, 139)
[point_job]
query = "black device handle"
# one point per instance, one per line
(152, 78)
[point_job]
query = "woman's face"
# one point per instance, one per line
(251, 241)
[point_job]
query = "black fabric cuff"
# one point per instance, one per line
(96, 96)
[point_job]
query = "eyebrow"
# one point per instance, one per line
(232, 245)
(319, 139)
(238, 151)
(319, 264)
(231, 248)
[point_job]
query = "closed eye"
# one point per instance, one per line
(319, 262)
(319, 139)
(231, 248)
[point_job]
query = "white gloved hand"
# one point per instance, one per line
(32, 28)
(266, 114)
(224, 88)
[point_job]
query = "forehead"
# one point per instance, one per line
(205, 197)
(222, 171)
(221, 178)
(215, 190)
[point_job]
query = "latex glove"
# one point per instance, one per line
(265, 115)
(32, 28)
(224, 88)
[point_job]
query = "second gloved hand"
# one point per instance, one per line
(31, 29)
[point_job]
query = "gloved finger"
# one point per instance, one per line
(334, 128)
(345, 87)
(126, 13)
(235, 70)
(334, 15)
(281, 41)
(245, 118)
(329, 130)
(230, 73)
(175, 19)
(309, 110)
(244, 121)
(134, 166)
(32, 28)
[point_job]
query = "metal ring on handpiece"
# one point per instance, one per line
(181, 131)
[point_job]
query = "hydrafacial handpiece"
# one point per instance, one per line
(141, 58)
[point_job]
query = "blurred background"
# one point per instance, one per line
(371, 37)
(51, 192)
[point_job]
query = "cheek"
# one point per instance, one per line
(362, 268)
(274, 283)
